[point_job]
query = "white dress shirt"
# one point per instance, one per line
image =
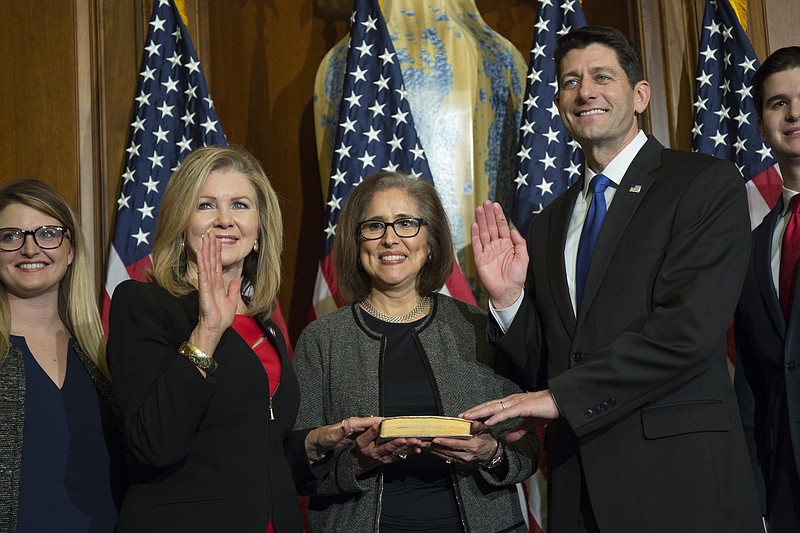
(777, 236)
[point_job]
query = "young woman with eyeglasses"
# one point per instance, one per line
(61, 458)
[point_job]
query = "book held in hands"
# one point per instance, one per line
(424, 427)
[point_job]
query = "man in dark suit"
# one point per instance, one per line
(618, 320)
(767, 325)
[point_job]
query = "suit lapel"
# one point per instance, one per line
(762, 250)
(556, 269)
(632, 190)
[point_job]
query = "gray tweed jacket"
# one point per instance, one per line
(337, 362)
(12, 421)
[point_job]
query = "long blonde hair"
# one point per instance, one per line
(77, 297)
(261, 273)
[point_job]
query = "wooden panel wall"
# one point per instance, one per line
(69, 68)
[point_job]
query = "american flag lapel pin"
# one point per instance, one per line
(636, 189)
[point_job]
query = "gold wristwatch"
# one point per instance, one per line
(198, 357)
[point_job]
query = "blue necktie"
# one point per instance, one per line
(591, 229)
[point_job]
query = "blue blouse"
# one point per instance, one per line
(72, 471)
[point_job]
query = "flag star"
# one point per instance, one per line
(122, 202)
(387, 57)
(701, 103)
(170, 85)
(739, 144)
(193, 65)
(377, 109)
(537, 211)
(175, 59)
(567, 6)
(146, 210)
(547, 3)
(190, 92)
(367, 160)
(338, 178)
(418, 152)
(335, 203)
(133, 149)
(744, 92)
(160, 135)
(399, 117)
(185, 144)
(143, 99)
(574, 144)
(382, 83)
(541, 25)
(343, 151)
(705, 79)
(416, 174)
(574, 169)
(532, 101)
(564, 30)
(148, 73)
(723, 112)
(741, 118)
(524, 153)
(521, 180)
(151, 185)
(535, 76)
(553, 110)
(548, 161)
(725, 87)
(697, 130)
(156, 159)
(177, 33)
(358, 74)
(726, 33)
(330, 231)
(348, 125)
(747, 65)
(552, 136)
(188, 118)
(714, 28)
(152, 49)
(764, 152)
(369, 24)
(141, 237)
(545, 186)
(209, 101)
(166, 110)
(128, 175)
(390, 167)
(138, 124)
(708, 53)
(402, 92)
(157, 24)
(740, 168)
(538, 50)
(527, 128)
(209, 125)
(365, 49)
(371, 135)
(719, 138)
(354, 99)
(396, 143)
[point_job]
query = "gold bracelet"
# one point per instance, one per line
(198, 357)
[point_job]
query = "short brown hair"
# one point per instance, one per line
(261, 272)
(354, 283)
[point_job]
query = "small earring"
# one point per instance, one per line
(183, 240)
(255, 246)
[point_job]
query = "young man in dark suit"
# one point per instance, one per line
(767, 325)
(618, 320)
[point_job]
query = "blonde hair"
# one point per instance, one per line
(77, 297)
(261, 273)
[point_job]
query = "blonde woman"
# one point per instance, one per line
(61, 460)
(208, 394)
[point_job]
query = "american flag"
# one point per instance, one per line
(173, 115)
(376, 132)
(549, 161)
(725, 118)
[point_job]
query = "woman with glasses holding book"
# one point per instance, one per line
(62, 465)
(403, 349)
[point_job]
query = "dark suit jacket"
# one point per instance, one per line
(640, 376)
(209, 458)
(769, 352)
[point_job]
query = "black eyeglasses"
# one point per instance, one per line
(45, 237)
(371, 230)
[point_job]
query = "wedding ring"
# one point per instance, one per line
(402, 455)
(503, 405)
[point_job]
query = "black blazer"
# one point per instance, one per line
(640, 375)
(769, 351)
(208, 456)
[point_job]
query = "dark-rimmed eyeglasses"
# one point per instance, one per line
(371, 230)
(45, 237)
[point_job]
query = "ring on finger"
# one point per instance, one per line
(402, 455)
(502, 404)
